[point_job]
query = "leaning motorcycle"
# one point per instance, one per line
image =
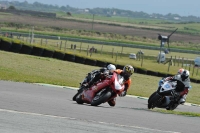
(102, 91)
(166, 95)
(89, 76)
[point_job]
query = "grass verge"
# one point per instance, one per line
(190, 114)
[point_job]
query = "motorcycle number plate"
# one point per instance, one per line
(167, 86)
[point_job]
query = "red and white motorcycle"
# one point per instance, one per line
(102, 91)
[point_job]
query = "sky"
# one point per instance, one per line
(180, 7)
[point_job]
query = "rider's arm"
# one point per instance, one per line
(102, 69)
(127, 85)
(118, 71)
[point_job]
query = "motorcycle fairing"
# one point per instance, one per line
(117, 85)
(89, 94)
(111, 82)
(166, 87)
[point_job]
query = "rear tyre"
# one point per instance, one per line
(173, 106)
(98, 99)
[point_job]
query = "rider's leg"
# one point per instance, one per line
(93, 80)
(112, 102)
(183, 96)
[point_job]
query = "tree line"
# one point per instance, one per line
(109, 12)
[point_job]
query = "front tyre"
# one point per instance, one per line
(79, 91)
(79, 99)
(152, 95)
(74, 97)
(154, 101)
(98, 99)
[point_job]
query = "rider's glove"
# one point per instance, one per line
(122, 94)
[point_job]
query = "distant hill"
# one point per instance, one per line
(36, 6)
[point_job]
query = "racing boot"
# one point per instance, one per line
(112, 102)
(183, 99)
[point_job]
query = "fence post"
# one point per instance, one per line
(142, 61)
(65, 45)
(182, 61)
(60, 45)
(121, 52)
(116, 57)
(197, 71)
(193, 70)
(185, 62)
(190, 65)
(112, 52)
(101, 48)
(87, 50)
(175, 61)
(46, 42)
(80, 47)
(41, 42)
(178, 61)
(170, 63)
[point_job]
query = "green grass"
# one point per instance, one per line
(33, 69)
(189, 114)
(107, 37)
(148, 64)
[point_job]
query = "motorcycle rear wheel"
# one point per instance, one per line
(101, 99)
(172, 107)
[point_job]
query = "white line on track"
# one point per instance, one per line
(92, 121)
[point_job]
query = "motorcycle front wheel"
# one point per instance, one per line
(98, 99)
(154, 101)
(152, 95)
(79, 98)
(79, 91)
(74, 97)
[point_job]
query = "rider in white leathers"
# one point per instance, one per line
(183, 76)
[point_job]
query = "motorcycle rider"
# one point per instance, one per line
(98, 74)
(183, 76)
(94, 76)
(127, 71)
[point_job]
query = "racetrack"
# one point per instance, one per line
(33, 108)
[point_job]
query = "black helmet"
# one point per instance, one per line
(128, 70)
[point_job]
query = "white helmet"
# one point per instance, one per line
(111, 67)
(185, 75)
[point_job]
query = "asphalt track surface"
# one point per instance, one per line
(31, 108)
